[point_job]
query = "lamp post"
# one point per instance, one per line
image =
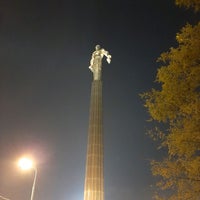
(27, 164)
(4, 198)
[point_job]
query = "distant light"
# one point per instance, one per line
(25, 163)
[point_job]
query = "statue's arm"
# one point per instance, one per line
(108, 56)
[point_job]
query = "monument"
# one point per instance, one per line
(94, 175)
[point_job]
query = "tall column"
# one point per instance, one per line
(94, 176)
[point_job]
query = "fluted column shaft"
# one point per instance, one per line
(94, 178)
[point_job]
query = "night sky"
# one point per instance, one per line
(45, 49)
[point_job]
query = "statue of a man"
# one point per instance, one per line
(96, 61)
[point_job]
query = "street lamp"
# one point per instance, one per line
(27, 164)
(4, 198)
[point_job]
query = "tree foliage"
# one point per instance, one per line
(195, 4)
(177, 104)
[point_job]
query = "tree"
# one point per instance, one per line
(195, 4)
(177, 105)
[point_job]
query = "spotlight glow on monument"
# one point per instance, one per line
(94, 175)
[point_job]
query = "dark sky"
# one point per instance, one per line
(45, 49)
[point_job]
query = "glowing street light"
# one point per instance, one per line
(27, 164)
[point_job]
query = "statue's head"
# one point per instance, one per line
(97, 47)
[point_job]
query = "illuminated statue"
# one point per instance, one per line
(96, 61)
(94, 172)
